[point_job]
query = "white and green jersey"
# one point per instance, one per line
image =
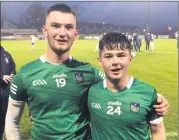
(56, 97)
(124, 115)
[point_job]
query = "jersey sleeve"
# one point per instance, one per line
(153, 116)
(98, 75)
(17, 88)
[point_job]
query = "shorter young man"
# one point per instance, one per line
(121, 106)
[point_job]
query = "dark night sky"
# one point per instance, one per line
(162, 14)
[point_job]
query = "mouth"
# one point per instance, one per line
(116, 70)
(61, 41)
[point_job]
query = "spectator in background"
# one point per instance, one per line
(6, 74)
(134, 42)
(152, 42)
(138, 43)
(33, 40)
(147, 40)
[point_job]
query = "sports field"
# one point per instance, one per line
(160, 69)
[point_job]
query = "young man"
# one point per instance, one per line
(138, 43)
(152, 42)
(33, 40)
(7, 71)
(147, 41)
(55, 86)
(121, 106)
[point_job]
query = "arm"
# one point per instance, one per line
(17, 100)
(14, 113)
(158, 129)
(162, 105)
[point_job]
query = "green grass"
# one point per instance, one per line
(158, 68)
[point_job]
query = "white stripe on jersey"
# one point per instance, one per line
(13, 85)
(13, 88)
(102, 75)
(12, 91)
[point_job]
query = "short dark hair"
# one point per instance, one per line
(114, 40)
(61, 8)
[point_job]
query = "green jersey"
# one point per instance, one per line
(123, 115)
(56, 97)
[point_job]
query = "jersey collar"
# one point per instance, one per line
(43, 59)
(128, 85)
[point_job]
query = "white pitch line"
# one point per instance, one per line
(172, 134)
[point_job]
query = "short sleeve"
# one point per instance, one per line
(152, 113)
(17, 88)
(98, 75)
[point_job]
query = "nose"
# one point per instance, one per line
(62, 32)
(115, 61)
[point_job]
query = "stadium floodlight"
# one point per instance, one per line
(144, 30)
(148, 16)
(169, 28)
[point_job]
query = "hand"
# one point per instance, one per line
(162, 105)
(11, 75)
(7, 78)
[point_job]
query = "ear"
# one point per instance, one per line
(99, 60)
(131, 59)
(44, 30)
(76, 34)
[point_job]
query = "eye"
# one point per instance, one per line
(107, 56)
(69, 27)
(121, 55)
(55, 25)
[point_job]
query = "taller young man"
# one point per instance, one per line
(55, 86)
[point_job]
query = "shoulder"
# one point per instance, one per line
(81, 64)
(145, 90)
(31, 66)
(97, 86)
(76, 62)
(143, 86)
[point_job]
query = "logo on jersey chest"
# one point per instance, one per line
(63, 75)
(135, 107)
(79, 77)
(39, 82)
(96, 105)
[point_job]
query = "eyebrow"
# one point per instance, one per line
(116, 53)
(55, 23)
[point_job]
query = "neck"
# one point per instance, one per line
(117, 85)
(57, 58)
